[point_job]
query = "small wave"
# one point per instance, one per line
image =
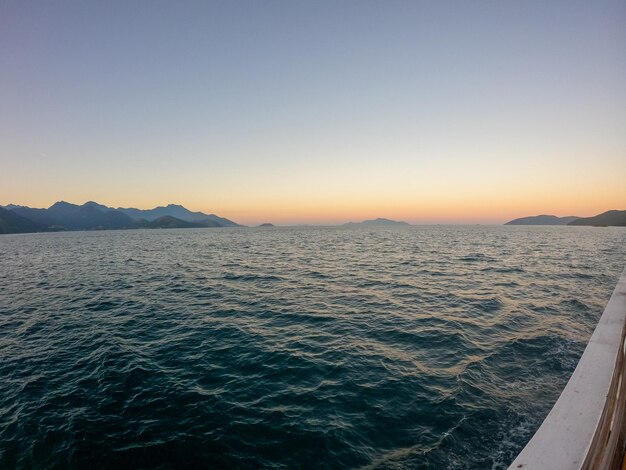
(102, 305)
(575, 304)
(577, 275)
(317, 275)
(488, 305)
(475, 257)
(504, 270)
(507, 284)
(250, 277)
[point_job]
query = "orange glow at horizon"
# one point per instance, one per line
(480, 206)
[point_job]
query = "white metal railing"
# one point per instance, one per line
(586, 427)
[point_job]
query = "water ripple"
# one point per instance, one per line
(416, 347)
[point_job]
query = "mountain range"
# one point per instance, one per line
(93, 216)
(609, 218)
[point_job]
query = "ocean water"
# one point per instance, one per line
(417, 347)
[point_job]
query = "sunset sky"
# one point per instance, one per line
(316, 112)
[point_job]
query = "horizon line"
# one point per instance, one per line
(323, 223)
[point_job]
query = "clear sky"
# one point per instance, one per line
(308, 112)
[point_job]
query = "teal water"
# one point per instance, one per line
(418, 347)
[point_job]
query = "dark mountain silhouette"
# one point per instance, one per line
(10, 222)
(376, 222)
(543, 220)
(89, 216)
(167, 221)
(608, 218)
(179, 212)
(96, 205)
(62, 208)
(93, 216)
(39, 216)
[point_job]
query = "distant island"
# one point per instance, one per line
(615, 218)
(266, 225)
(543, 220)
(64, 216)
(376, 223)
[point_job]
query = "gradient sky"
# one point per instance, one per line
(309, 112)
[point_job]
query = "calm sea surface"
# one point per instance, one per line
(417, 347)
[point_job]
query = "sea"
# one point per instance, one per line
(435, 347)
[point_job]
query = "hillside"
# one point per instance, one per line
(543, 220)
(94, 216)
(11, 222)
(609, 218)
(167, 221)
(179, 212)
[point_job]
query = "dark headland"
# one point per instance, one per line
(615, 218)
(543, 220)
(610, 218)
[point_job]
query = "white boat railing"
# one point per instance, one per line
(586, 427)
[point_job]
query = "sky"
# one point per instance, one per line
(316, 112)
